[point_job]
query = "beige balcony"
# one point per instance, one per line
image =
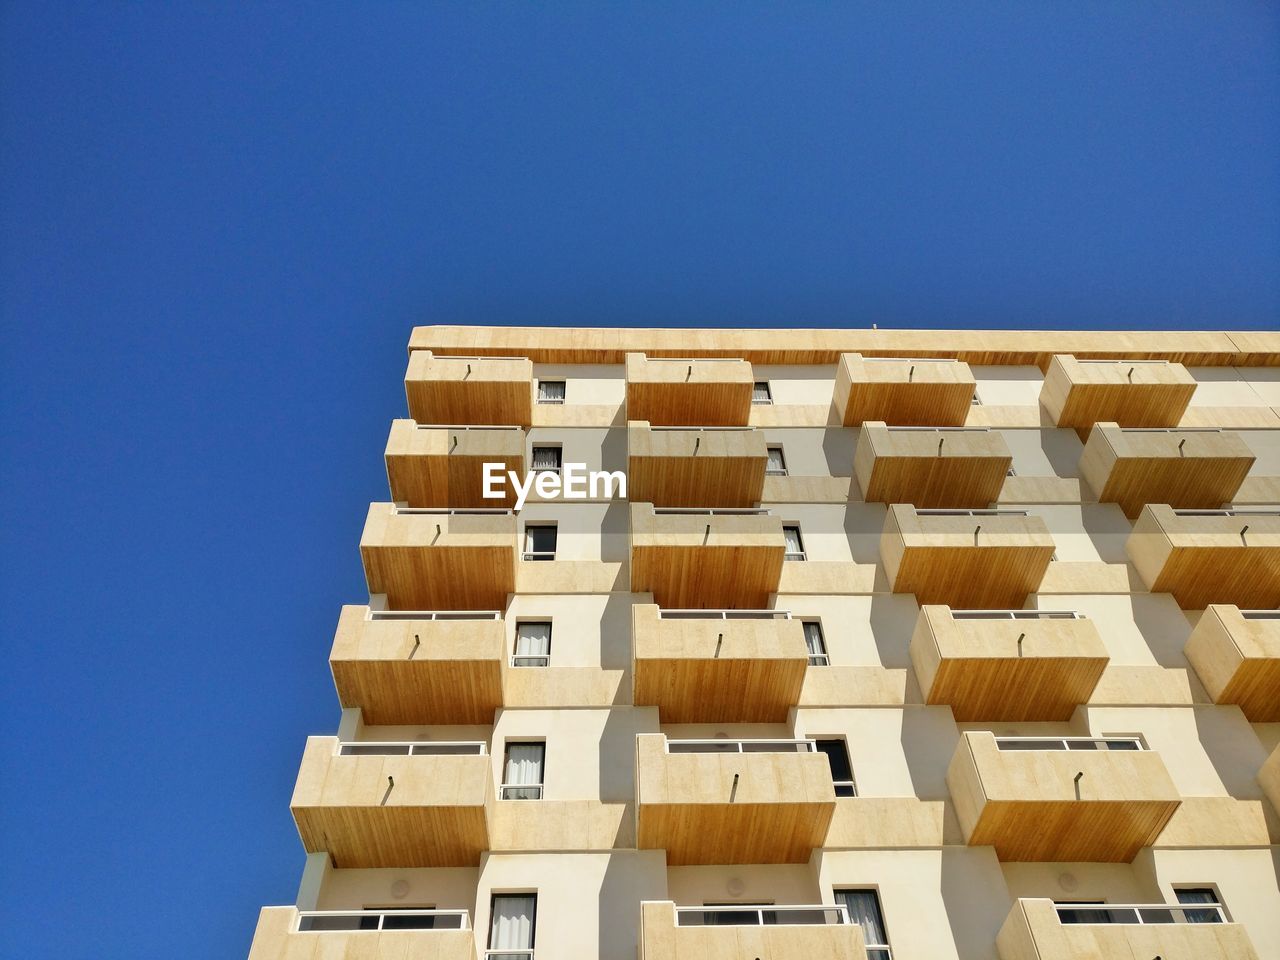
(689, 393)
(712, 666)
(1209, 556)
(1072, 798)
(695, 467)
(1236, 654)
(968, 559)
(1134, 466)
(1007, 665)
(429, 559)
(925, 393)
(419, 667)
(474, 390)
(732, 801)
(718, 559)
(931, 466)
(1131, 393)
(394, 804)
(1269, 778)
(444, 466)
(1034, 930)
(776, 932)
(286, 933)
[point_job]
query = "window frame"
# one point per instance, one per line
(882, 951)
(768, 393)
(533, 457)
(540, 555)
(825, 656)
(516, 655)
(769, 469)
(803, 554)
(490, 949)
(564, 392)
(541, 785)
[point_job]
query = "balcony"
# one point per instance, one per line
(444, 466)
(1060, 798)
(1269, 778)
(969, 559)
(931, 466)
(421, 804)
(1135, 466)
(923, 393)
(689, 393)
(473, 390)
(1131, 393)
(1236, 655)
(1204, 557)
(702, 467)
(712, 666)
(732, 801)
(1043, 930)
(286, 933)
(705, 559)
(1007, 665)
(429, 559)
(419, 667)
(819, 932)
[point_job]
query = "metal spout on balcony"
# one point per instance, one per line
(468, 371)
(733, 790)
(391, 782)
(1131, 374)
(941, 441)
(719, 641)
(689, 376)
(1078, 778)
(417, 642)
(975, 534)
(1181, 444)
(1021, 637)
(911, 372)
(455, 442)
(1243, 531)
(697, 442)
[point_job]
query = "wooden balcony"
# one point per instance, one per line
(474, 390)
(285, 933)
(695, 467)
(1236, 655)
(444, 466)
(713, 666)
(930, 466)
(1034, 931)
(1134, 466)
(426, 806)
(727, 801)
(1060, 799)
(689, 393)
(426, 559)
(778, 932)
(903, 392)
(1131, 393)
(419, 667)
(974, 559)
(1209, 556)
(1006, 665)
(717, 559)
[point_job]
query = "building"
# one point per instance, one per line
(904, 644)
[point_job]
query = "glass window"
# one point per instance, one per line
(837, 752)
(551, 391)
(539, 542)
(864, 910)
(522, 772)
(546, 459)
(511, 925)
(1086, 911)
(795, 545)
(533, 644)
(813, 639)
(761, 393)
(1200, 895)
(777, 465)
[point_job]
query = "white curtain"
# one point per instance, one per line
(524, 764)
(776, 463)
(533, 640)
(550, 389)
(864, 910)
(760, 392)
(813, 639)
(511, 927)
(546, 458)
(792, 535)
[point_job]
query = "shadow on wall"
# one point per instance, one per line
(976, 898)
(863, 524)
(1063, 449)
(629, 878)
(615, 633)
(1233, 749)
(615, 532)
(837, 447)
(617, 751)
(613, 451)
(1108, 530)
(1163, 626)
(929, 738)
(893, 620)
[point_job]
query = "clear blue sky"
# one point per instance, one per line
(220, 222)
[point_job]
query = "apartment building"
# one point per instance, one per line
(902, 645)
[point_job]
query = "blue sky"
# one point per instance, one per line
(220, 223)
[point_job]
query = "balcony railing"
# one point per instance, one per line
(751, 915)
(714, 512)
(412, 748)
(741, 746)
(447, 512)
(320, 921)
(992, 512)
(508, 955)
(1260, 614)
(724, 614)
(520, 791)
(435, 614)
(1070, 743)
(1140, 913)
(1016, 615)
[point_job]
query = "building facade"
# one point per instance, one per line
(901, 645)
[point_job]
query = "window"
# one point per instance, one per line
(864, 910)
(837, 752)
(761, 393)
(533, 644)
(1084, 914)
(777, 466)
(795, 546)
(817, 645)
(551, 391)
(546, 459)
(539, 541)
(512, 918)
(522, 772)
(742, 916)
(1206, 895)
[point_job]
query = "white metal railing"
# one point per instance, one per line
(437, 356)
(451, 512)
(1078, 360)
(1260, 614)
(682, 614)
(1141, 913)
(845, 788)
(435, 614)
(912, 359)
(531, 660)
(464, 426)
(538, 555)
(703, 429)
(990, 512)
(1227, 513)
(411, 748)
(1070, 743)
(312, 921)
(508, 955)
(741, 746)
(1170, 429)
(819, 660)
(694, 359)
(938, 429)
(797, 555)
(1017, 615)
(706, 512)
(520, 791)
(757, 915)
